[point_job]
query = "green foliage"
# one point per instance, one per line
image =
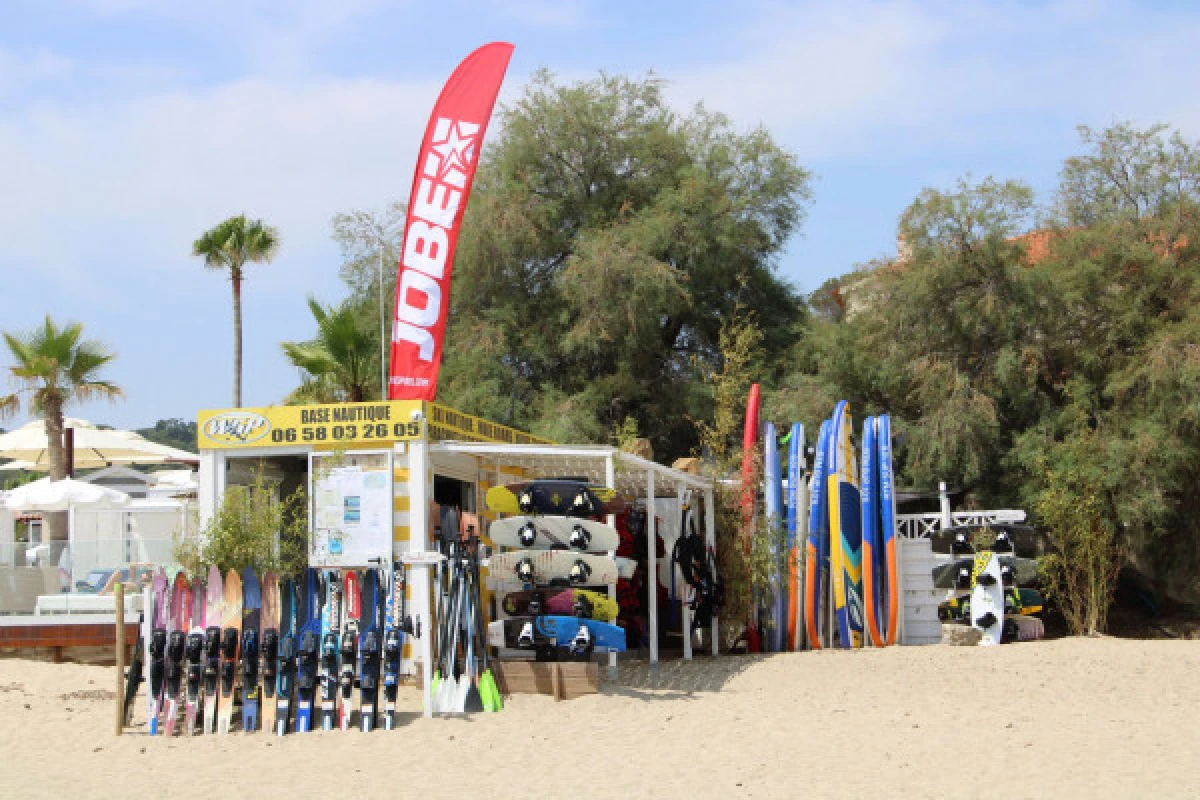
(341, 364)
(53, 367)
(253, 527)
(1001, 370)
(751, 553)
(229, 247)
(970, 214)
(174, 432)
(1128, 174)
(606, 240)
(1076, 512)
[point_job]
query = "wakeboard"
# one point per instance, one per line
(555, 497)
(552, 568)
(578, 636)
(987, 599)
(561, 602)
(554, 533)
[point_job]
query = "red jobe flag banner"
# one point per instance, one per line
(445, 168)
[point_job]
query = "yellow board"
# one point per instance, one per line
(356, 424)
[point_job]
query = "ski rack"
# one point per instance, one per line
(424, 559)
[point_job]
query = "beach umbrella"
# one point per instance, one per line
(46, 495)
(94, 447)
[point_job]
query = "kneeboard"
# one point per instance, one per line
(987, 599)
(554, 533)
(559, 497)
(551, 568)
(556, 631)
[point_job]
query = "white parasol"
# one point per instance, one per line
(94, 447)
(47, 495)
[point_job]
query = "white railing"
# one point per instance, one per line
(922, 526)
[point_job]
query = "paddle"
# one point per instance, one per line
(458, 683)
(472, 702)
(444, 699)
(487, 683)
(439, 629)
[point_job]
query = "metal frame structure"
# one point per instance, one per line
(606, 466)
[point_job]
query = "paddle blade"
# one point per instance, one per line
(458, 695)
(473, 704)
(490, 692)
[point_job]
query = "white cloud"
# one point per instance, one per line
(554, 14)
(20, 72)
(852, 77)
(158, 169)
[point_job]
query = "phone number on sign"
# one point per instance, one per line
(348, 433)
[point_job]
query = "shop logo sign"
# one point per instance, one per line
(237, 427)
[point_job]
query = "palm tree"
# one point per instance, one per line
(339, 363)
(54, 367)
(230, 246)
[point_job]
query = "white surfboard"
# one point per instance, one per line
(987, 599)
(545, 533)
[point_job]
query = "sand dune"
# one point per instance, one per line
(1102, 718)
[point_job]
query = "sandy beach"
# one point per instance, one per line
(1102, 718)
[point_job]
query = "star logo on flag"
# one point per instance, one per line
(456, 150)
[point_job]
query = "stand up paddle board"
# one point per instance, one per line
(816, 546)
(776, 600)
(890, 574)
(797, 515)
(845, 529)
(748, 498)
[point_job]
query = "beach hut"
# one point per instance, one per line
(398, 458)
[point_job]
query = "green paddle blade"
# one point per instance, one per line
(490, 692)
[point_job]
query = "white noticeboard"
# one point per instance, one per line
(351, 516)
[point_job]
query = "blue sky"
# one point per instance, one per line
(127, 127)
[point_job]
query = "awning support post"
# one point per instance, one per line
(686, 614)
(652, 568)
(610, 480)
(710, 536)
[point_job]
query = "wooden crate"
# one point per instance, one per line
(562, 680)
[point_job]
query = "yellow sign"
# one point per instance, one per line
(447, 424)
(336, 423)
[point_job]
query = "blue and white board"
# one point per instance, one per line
(796, 517)
(816, 559)
(890, 575)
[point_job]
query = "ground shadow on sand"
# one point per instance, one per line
(675, 679)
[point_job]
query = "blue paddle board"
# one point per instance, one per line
(816, 561)
(890, 573)
(795, 516)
